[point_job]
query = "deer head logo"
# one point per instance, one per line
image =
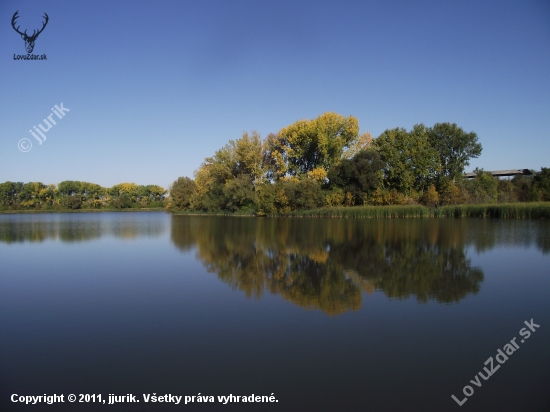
(29, 40)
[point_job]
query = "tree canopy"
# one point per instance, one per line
(359, 175)
(73, 194)
(455, 148)
(411, 162)
(309, 144)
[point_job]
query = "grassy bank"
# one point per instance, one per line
(34, 211)
(535, 210)
(538, 210)
(243, 213)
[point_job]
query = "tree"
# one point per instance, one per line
(450, 192)
(307, 194)
(541, 185)
(431, 197)
(181, 192)
(506, 191)
(123, 201)
(9, 192)
(249, 157)
(243, 157)
(73, 202)
(522, 187)
(359, 175)
(363, 142)
(29, 194)
(483, 188)
(455, 148)
(69, 188)
(411, 162)
(239, 193)
(308, 144)
(156, 192)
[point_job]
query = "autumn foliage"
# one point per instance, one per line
(325, 162)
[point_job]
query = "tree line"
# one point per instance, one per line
(307, 165)
(326, 162)
(72, 194)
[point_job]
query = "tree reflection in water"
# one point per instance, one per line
(326, 263)
(79, 227)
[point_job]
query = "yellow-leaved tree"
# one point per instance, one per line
(305, 145)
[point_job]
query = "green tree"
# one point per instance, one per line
(506, 191)
(156, 193)
(93, 195)
(73, 202)
(239, 193)
(265, 198)
(129, 189)
(411, 163)
(8, 193)
(123, 201)
(483, 188)
(181, 192)
(522, 187)
(29, 194)
(359, 175)
(243, 157)
(69, 188)
(455, 148)
(450, 192)
(541, 185)
(307, 194)
(308, 144)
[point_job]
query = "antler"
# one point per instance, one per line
(34, 33)
(15, 16)
(43, 26)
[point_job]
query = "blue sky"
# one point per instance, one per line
(155, 87)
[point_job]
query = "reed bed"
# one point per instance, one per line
(374, 212)
(536, 210)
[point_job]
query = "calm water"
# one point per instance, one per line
(335, 314)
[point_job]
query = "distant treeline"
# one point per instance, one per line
(324, 162)
(73, 195)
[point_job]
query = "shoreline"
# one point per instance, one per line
(530, 210)
(32, 212)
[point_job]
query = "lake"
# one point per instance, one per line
(320, 314)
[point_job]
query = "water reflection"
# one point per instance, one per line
(322, 264)
(79, 227)
(326, 263)
(486, 234)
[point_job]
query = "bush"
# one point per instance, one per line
(239, 194)
(307, 195)
(181, 192)
(357, 176)
(73, 202)
(541, 185)
(122, 202)
(430, 197)
(506, 191)
(482, 189)
(450, 193)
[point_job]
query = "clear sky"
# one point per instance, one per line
(154, 87)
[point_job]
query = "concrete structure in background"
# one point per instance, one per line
(502, 173)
